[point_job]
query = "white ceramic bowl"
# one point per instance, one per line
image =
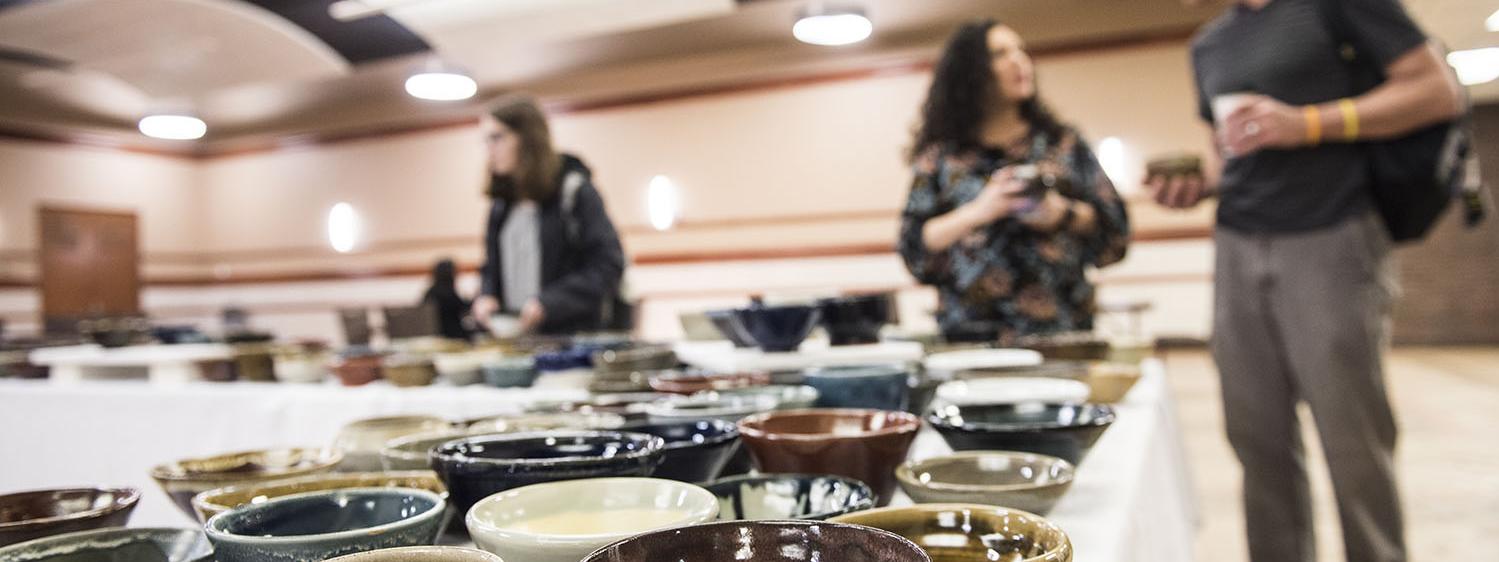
(462, 368)
(565, 521)
(1013, 390)
(301, 368)
(968, 359)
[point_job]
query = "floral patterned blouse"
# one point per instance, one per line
(1006, 280)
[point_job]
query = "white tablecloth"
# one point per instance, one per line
(1132, 499)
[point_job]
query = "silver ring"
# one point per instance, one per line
(1252, 128)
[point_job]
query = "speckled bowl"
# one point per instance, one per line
(114, 545)
(321, 525)
(1023, 481)
(214, 502)
(183, 479)
(32, 515)
(964, 532)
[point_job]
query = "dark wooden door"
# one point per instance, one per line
(89, 265)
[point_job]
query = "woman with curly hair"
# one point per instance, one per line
(1009, 207)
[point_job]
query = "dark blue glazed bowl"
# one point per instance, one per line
(855, 320)
(1065, 431)
(113, 545)
(321, 525)
(730, 328)
(777, 328)
(474, 468)
(696, 451)
(874, 387)
(789, 496)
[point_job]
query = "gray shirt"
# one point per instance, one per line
(1286, 51)
(520, 255)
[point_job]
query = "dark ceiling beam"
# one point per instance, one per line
(362, 40)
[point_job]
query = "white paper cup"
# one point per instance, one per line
(1226, 104)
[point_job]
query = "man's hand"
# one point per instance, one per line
(1262, 123)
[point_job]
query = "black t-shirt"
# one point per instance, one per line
(1286, 51)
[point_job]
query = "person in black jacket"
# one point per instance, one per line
(553, 258)
(446, 303)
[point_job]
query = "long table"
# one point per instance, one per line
(1132, 499)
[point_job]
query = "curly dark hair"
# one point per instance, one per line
(963, 83)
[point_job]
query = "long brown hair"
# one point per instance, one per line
(537, 163)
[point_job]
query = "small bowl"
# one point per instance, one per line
(1013, 390)
(477, 467)
(1065, 431)
(183, 479)
(253, 362)
(696, 451)
(357, 370)
(677, 382)
(321, 525)
(787, 396)
(789, 496)
(110, 545)
(855, 320)
(411, 452)
(564, 521)
(409, 370)
(778, 329)
(362, 440)
(32, 515)
(724, 321)
(763, 541)
(971, 532)
(461, 368)
(421, 554)
(1023, 481)
(214, 502)
(727, 407)
(875, 387)
(301, 366)
(509, 372)
(1109, 383)
(865, 445)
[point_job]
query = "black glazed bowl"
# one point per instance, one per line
(789, 496)
(695, 451)
(474, 468)
(763, 541)
(731, 330)
(115, 545)
(855, 320)
(777, 329)
(1065, 431)
(324, 524)
(32, 515)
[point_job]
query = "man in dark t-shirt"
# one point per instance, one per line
(1303, 283)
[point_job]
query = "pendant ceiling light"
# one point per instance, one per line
(172, 127)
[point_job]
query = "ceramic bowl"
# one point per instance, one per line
(321, 525)
(787, 396)
(421, 554)
(357, 370)
(564, 521)
(875, 387)
(697, 327)
(1023, 481)
(409, 370)
(299, 366)
(948, 364)
(253, 362)
(696, 451)
(411, 452)
(509, 372)
(1072, 346)
(865, 445)
(476, 467)
(727, 407)
(777, 329)
(32, 515)
(461, 368)
(763, 541)
(1076, 370)
(1013, 390)
(1065, 431)
(724, 321)
(643, 358)
(677, 382)
(1109, 383)
(544, 422)
(855, 320)
(115, 545)
(630, 405)
(214, 502)
(953, 532)
(183, 479)
(361, 441)
(789, 496)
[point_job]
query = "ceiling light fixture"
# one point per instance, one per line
(1475, 66)
(172, 127)
(822, 25)
(441, 86)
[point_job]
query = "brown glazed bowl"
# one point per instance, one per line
(409, 370)
(987, 532)
(676, 382)
(358, 370)
(1023, 481)
(32, 515)
(183, 479)
(763, 541)
(865, 445)
(214, 502)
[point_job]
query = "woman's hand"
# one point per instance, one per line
(1047, 215)
(1000, 197)
(484, 307)
(532, 315)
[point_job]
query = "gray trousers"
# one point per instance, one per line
(1305, 317)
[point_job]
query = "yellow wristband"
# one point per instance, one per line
(1313, 125)
(1350, 119)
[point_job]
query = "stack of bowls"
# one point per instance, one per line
(866, 445)
(763, 541)
(1065, 431)
(133, 545)
(213, 502)
(477, 467)
(32, 515)
(971, 532)
(789, 496)
(361, 441)
(322, 525)
(565, 521)
(1023, 481)
(183, 479)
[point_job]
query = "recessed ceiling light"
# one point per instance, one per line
(1475, 66)
(441, 86)
(832, 26)
(172, 127)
